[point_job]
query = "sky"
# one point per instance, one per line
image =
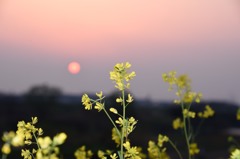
(201, 38)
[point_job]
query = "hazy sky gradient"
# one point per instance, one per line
(201, 38)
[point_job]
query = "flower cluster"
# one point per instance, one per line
(121, 76)
(188, 114)
(194, 149)
(28, 130)
(127, 125)
(131, 152)
(208, 112)
(158, 151)
(183, 85)
(47, 148)
(11, 139)
(103, 154)
(238, 114)
(177, 123)
(82, 153)
(235, 154)
(88, 103)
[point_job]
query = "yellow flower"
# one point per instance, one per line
(153, 150)
(187, 113)
(99, 95)
(238, 114)
(59, 139)
(34, 120)
(119, 100)
(131, 152)
(208, 112)
(194, 149)
(189, 97)
(18, 140)
(162, 139)
(82, 153)
(99, 106)
(177, 123)
(121, 76)
(114, 156)
(100, 154)
(115, 136)
(113, 110)
(183, 81)
(130, 98)
(183, 85)
(120, 121)
(170, 78)
(44, 142)
(86, 102)
(198, 97)
(6, 149)
(40, 131)
(26, 154)
(235, 154)
(130, 125)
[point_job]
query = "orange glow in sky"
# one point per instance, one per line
(197, 37)
(74, 25)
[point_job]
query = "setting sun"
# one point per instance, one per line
(74, 67)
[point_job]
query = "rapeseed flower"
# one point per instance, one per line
(26, 154)
(235, 154)
(238, 114)
(99, 106)
(132, 152)
(113, 110)
(11, 139)
(121, 76)
(82, 153)
(208, 112)
(156, 152)
(115, 136)
(114, 156)
(130, 98)
(177, 123)
(193, 149)
(6, 148)
(187, 113)
(182, 84)
(86, 101)
(162, 139)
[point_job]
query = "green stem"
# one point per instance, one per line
(185, 132)
(112, 122)
(198, 128)
(176, 149)
(123, 127)
(35, 137)
(4, 156)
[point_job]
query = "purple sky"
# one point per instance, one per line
(200, 38)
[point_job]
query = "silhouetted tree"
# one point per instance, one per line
(42, 96)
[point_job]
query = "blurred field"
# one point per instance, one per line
(64, 113)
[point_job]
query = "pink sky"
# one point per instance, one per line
(39, 38)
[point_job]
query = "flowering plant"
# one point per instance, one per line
(35, 146)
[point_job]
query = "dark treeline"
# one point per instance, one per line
(64, 113)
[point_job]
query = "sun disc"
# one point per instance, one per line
(74, 67)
